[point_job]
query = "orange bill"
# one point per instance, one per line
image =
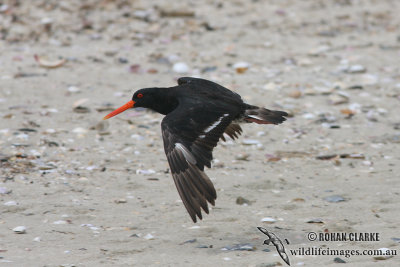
(128, 105)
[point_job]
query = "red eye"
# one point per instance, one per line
(139, 95)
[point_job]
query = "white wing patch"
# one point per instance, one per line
(186, 153)
(255, 117)
(215, 124)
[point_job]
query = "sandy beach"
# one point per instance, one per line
(79, 191)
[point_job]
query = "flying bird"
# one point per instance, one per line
(276, 241)
(198, 113)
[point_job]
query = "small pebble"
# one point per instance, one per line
(180, 67)
(295, 94)
(73, 89)
(316, 220)
(326, 157)
(367, 163)
(145, 172)
(334, 199)
(4, 190)
(79, 130)
(123, 60)
(242, 156)
(241, 67)
(120, 201)
(308, 116)
(47, 167)
(338, 260)
(135, 68)
(11, 203)
(384, 256)
(81, 109)
(152, 71)
(357, 86)
(111, 53)
(338, 99)
(83, 179)
(208, 69)
(250, 142)
(242, 201)
(304, 62)
(20, 230)
(46, 21)
(240, 247)
(352, 156)
(347, 112)
(268, 220)
(60, 222)
(189, 241)
(149, 237)
(271, 86)
(80, 102)
(356, 69)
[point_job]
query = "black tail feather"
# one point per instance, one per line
(264, 116)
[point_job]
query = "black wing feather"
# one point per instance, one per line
(185, 138)
(212, 89)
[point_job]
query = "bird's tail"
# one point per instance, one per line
(264, 116)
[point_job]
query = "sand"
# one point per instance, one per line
(92, 193)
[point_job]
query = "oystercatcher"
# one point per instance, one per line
(198, 113)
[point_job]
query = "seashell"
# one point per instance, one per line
(241, 67)
(45, 63)
(19, 230)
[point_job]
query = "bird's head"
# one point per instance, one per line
(153, 98)
(141, 98)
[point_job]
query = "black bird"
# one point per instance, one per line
(198, 113)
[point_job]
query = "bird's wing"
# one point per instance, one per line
(189, 137)
(202, 84)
